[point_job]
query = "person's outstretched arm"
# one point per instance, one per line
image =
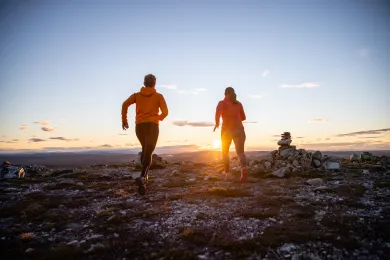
(125, 106)
(218, 113)
(242, 113)
(163, 108)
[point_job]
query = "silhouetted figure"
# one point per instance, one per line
(233, 114)
(147, 103)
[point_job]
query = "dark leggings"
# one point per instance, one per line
(238, 136)
(147, 134)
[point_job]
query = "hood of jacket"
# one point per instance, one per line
(144, 91)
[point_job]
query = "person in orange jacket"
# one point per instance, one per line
(147, 104)
(233, 114)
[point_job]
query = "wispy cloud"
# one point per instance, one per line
(265, 73)
(122, 134)
(255, 96)
(171, 87)
(318, 120)
(42, 122)
(36, 140)
(250, 122)
(23, 127)
(47, 129)
(367, 132)
(302, 85)
(194, 124)
(106, 146)
(63, 139)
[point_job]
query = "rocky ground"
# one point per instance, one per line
(192, 212)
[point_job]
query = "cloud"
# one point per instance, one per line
(63, 139)
(122, 134)
(36, 140)
(318, 120)
(23, 127)
(171, 87)
(255, 96)
(265, 73)
(299, 137)
(194, 91)
(106, 146)
(42, 122)
(250, 122)
(47, 129)
(194, 124)
(368, 132)
(302, 85)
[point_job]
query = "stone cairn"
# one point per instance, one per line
(287, 159)
(285, 142)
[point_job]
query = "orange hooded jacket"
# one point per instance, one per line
(147, 104)
(232, 114)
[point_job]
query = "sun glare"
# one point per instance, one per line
(216, 144)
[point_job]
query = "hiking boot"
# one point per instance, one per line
(244, 174)
(141, 182)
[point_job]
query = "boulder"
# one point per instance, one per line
(316, 163)
(285, 142)
(281, 172)
(317, 155)
(12, 172)
(354, 157)
(267, 165)
(332, 165)
(286, 152)
(296, 163)
(157, 162)
(367, 157)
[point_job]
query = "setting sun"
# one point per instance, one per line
(216, 144)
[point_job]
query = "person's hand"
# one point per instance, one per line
(125, 125)
(215, 127)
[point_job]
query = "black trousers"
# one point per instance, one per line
(147, 134)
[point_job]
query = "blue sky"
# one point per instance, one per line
(318, 69)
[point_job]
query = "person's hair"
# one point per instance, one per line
(150, 81)
(229, 91)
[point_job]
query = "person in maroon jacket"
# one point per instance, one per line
(233, 114)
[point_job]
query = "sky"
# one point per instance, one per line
(318, 69)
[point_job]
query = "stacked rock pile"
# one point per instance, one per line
(285, 141)
(288, 159)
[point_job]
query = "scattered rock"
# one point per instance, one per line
(73, 243)
(29, 250)
(281, 172)
(315, 182)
